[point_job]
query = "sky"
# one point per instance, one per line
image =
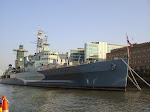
(70, 24)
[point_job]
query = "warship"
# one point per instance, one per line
(46, 69)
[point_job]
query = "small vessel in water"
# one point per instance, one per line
(43, 69)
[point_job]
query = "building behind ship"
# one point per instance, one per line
(92, 52)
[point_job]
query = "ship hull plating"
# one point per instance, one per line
(107, 74)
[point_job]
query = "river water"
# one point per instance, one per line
(37, 99)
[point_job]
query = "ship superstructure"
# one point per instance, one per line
(43, 56)
(19, 63)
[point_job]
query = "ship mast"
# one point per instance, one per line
(20, 57)
(40, 41)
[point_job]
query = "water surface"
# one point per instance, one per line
(37, 99)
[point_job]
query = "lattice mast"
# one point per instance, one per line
(40, 41)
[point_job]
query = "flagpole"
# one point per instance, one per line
(127, 47)
(127, 59)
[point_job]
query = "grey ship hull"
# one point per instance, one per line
(105, 75)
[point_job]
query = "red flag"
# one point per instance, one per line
(129, 42)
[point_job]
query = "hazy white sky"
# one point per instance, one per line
(70, 24)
